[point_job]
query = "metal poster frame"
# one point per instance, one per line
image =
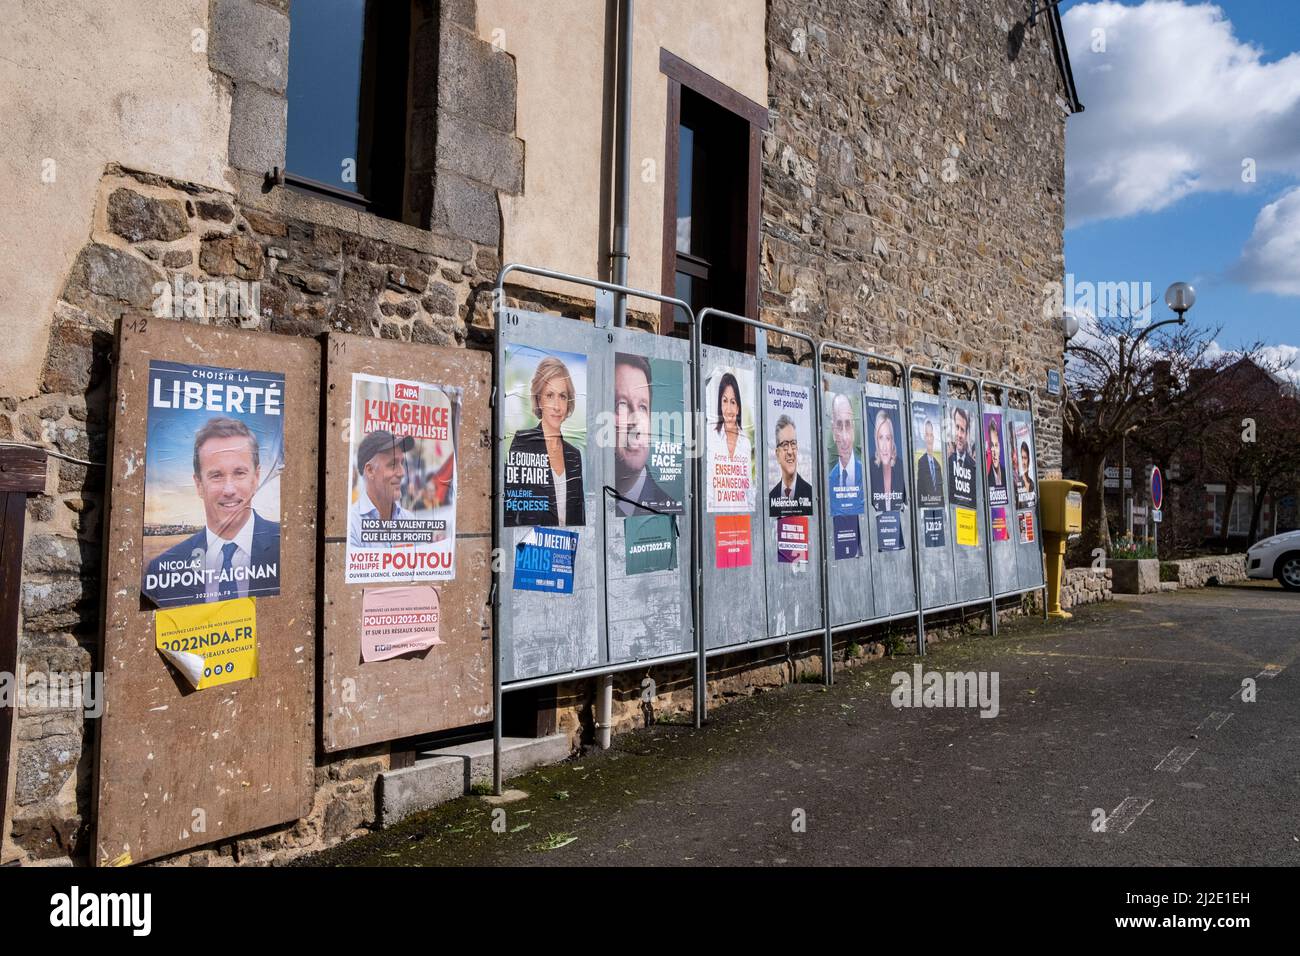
(1006, 388)
(866, 358)
(942, 376)
(702, 648)
(499, 689)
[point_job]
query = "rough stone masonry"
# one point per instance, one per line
(912, 203)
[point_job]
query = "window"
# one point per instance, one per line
(1238, 516)
(711, 200)
(348, 77)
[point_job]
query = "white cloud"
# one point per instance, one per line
(1174, 105)
(1270, 261)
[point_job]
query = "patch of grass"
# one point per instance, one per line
(553, 841)
(481, 788)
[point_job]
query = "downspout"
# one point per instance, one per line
(622, 160)
(619, 255)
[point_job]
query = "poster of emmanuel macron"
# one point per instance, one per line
(214, 451)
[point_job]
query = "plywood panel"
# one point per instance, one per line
(449, 685)
(236, 757)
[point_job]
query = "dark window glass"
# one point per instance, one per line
(348, 77)
(326, 40)
(712, 212)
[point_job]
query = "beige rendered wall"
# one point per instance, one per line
(558, 46)
(84, 84)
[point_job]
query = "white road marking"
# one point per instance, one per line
(1122, 817)
(1270, 671)
(1215, 721)
(1176, 758)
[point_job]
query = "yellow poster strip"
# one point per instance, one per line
(968, 530)
(210, 644)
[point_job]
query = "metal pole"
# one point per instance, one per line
(622, 159)
(917, 588)
(988, 513)
(498, 429)
(819, 468)
(697, 531)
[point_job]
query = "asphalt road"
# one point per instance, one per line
(1094, 715)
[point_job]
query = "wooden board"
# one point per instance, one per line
(450, 685)
(240, 753)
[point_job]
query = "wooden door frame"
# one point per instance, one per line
(22, 472)
(679, 74)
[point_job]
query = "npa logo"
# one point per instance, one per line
(406, 392)
(77, 909)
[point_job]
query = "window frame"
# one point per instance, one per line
(681, 74)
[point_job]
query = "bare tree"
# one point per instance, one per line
(1123, 372)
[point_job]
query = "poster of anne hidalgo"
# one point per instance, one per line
(213, 454)
(402, 492)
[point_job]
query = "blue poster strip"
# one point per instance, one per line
(544, 561)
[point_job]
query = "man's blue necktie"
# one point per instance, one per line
(229, 589)
(933, 478)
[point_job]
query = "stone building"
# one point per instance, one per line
(886, 173)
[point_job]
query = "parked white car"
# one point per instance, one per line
(1276, 557)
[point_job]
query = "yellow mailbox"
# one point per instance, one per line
(1062, 511)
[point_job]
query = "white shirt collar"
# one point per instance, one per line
(365, 506)
(243, 539)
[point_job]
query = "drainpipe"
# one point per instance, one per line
(605, 711)
(622, 160)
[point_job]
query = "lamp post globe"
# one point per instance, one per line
(1180, 297)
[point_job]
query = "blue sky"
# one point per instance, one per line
(1183, 100)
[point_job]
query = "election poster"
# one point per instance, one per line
(402, 481)
(789, 423)
(1000, 530)
(995, 465)
(544, 560)
(961, 461)
(731, 541)
(846, 477)
(1022, 455)
(933, 521)
(888, 479)
(214, 452)
(545, 437)
(968, 529)
(651, 543)
(848, 536)
(397, 621)
(927, 425)
(792, 540)
(1026, 520)
(729, 474)
(889, 531)
(209, 644)
(649, 435)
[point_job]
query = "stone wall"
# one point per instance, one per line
(1086, 586)
(160, 245)
(870, 236)
(913, 185)
(1199, 572)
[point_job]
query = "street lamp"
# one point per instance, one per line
(1180, 297)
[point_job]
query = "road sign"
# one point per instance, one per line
(1053, 382)
(1157, 489)
(1156, 516)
